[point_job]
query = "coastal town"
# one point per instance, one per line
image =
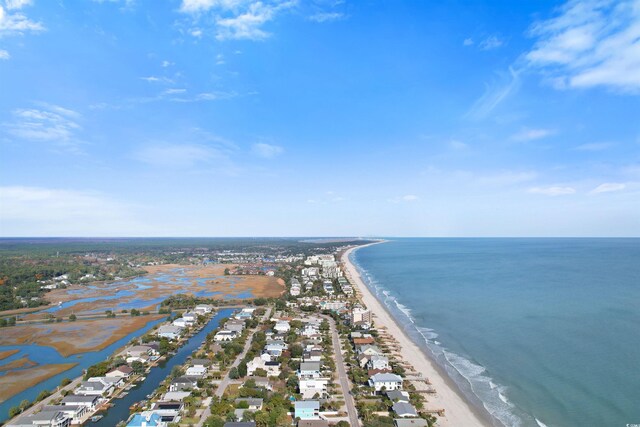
(317, 355)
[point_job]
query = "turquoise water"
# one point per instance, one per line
(536, 331)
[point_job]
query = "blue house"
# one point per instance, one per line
(307, 409)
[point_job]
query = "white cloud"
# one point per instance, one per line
(608, 187)
(266, 151)
(166, 64)
(220, 59)
(490, 43)
(16, 23)
(553, 191)
(410, 198)
(174, 91)
(467, 42)
(17, 4)
(49, 123)
(494, 95)
(590, 43)
(327, 17)
(4, 54)
(594, 146)
(532, 134)
(32, 211)
(236, 19)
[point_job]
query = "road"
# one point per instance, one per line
(342, 374)
(226, 380)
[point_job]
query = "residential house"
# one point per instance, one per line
(404, 410)
(309, 370)
(90, 402)
(310, 387)
(282, 326)
(75, 412)
(385, 381)
(94, 388)
(254, 404)
(225, 336)
(123, 371)
(378, 362)
(43, 419)
(307, 409)
(398, 396)
(412, 422)
(369, 350)
(169, 331)
(183, 383)
(203, 309)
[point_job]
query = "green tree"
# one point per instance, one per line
(72, 317)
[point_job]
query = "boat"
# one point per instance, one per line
(123, 394)
(96, 418)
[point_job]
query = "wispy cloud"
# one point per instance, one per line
(17, 23)
(4, 54)
(490, 43)
(17, 4)
(326, 17)
(553, 191)
(180, 156)
(48, 123)
(594, 146)
(532, 134)
(157, 79)
(494, 95)
(468, 42)
(608, 187)
(458, 145)
(590, 43)
(267, 151)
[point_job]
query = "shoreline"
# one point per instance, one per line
(458, 411)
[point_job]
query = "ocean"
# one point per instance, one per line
(538, 332)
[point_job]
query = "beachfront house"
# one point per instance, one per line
(411, 422)
(404, 410)
(44, 419)
(385, 381)
(307, 409)
(171, 332)
(398, 396)
(369, 350)
(378, 362)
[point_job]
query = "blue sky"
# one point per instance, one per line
(319, 117)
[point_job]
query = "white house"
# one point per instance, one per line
(171, 332)
(378, 362)
(225, 336)
(309, 387)
(309, 370)
(385, 381)
(282, 326)
(203, 309)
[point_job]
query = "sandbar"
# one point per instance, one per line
(16, 381)
(23, 362)
(7, 353)
(457, 411)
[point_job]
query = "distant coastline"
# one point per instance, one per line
(458, 411)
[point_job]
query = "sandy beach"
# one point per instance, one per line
(457, 411)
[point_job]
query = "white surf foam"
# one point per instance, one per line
(540, 423)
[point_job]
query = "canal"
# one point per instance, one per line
(120, 410)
